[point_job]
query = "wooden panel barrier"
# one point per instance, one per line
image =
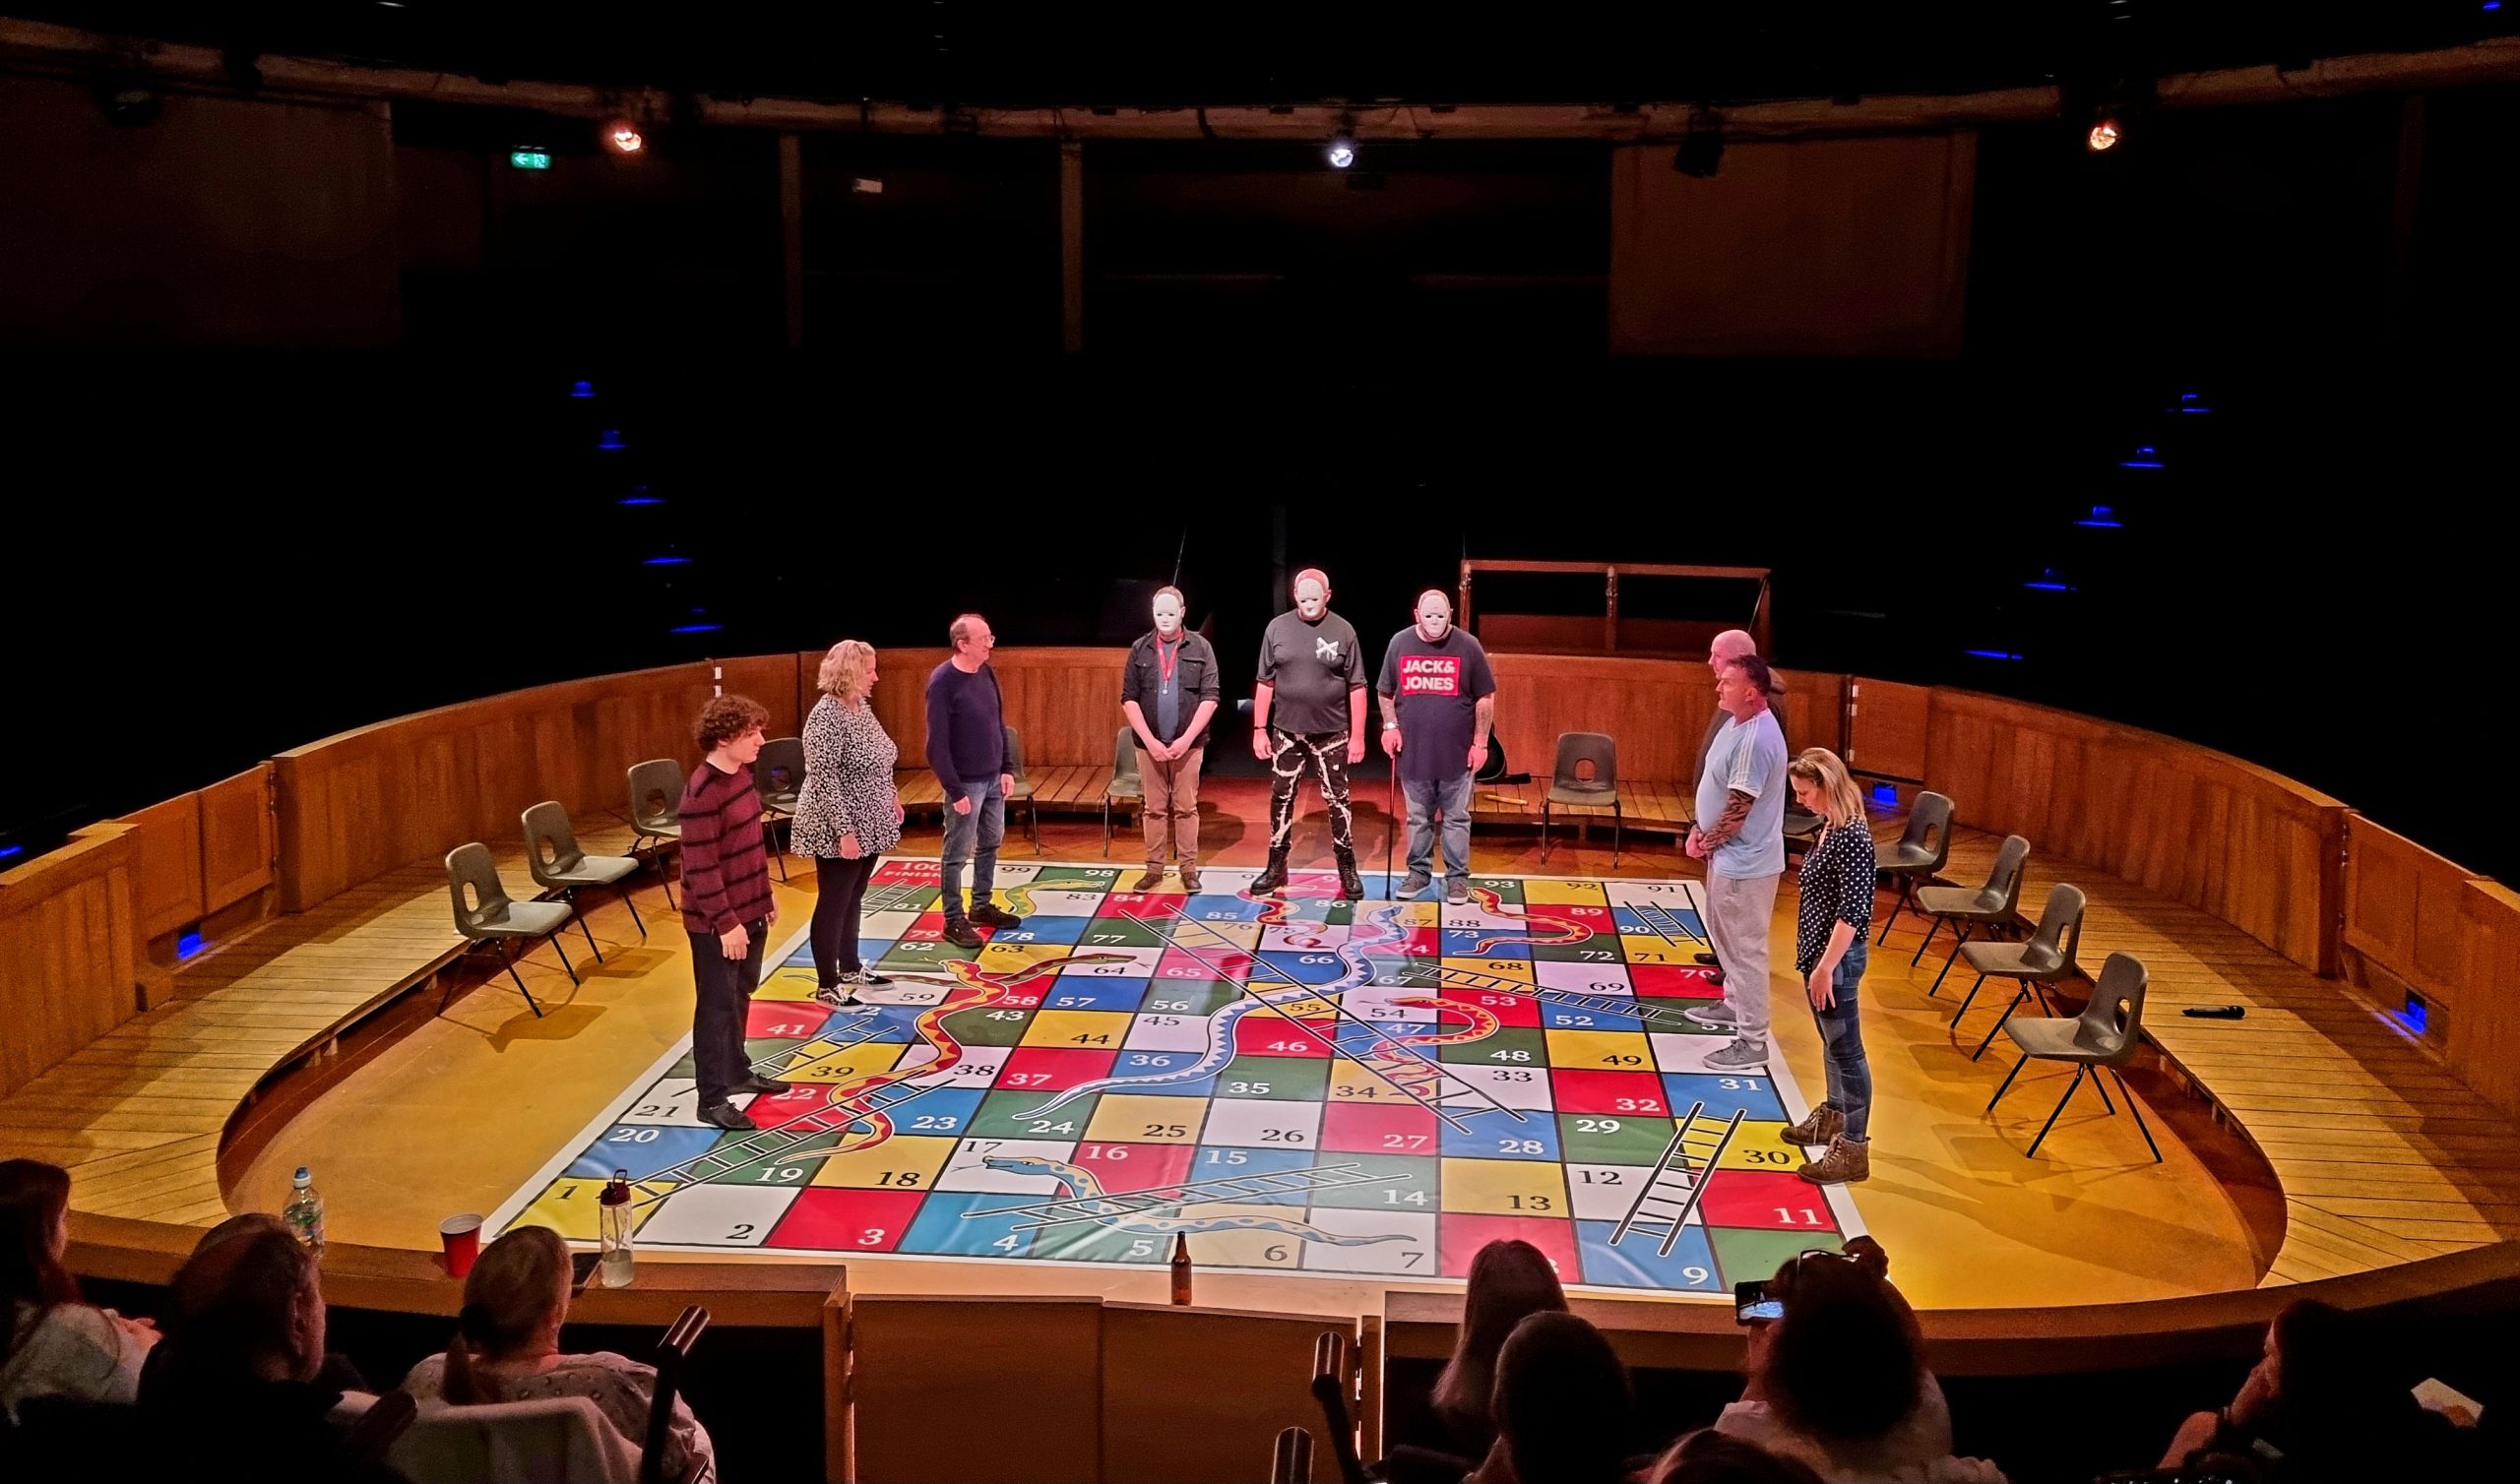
(2250, 846)
(1198, 1394)
(1656, 709)
(925, 1370)
(1064, 702)
(1886, 726)
(240, 837)
(2482, 1042)
(361, 803)
(166, 864)
(70, 936)
(2402, 909)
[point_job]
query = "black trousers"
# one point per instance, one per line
(722, 1002)
(840, 885)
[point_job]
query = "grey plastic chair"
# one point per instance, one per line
(493, 916)
(656, 817)
(552, 855)
(2105, 1035)
(1995, 907)
(1570, 784)
(1023, 790)
(1923, 848)
(1125, 784)
(778, 775)
(2048, 957)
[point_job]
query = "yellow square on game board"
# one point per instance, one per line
(1584, 894)
(897, 1164)
(1640, 948)
(1600, 1051)
(1505, 1188)
(820, 1060)
(1078, 1029)
(1755, 1146)
(1145, 1118)
(571, 1209)
(1484, 974)
(787, 982)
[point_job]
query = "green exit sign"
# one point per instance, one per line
(529, 160)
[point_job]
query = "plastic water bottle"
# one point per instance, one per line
(304, 1212)
(616, 1231)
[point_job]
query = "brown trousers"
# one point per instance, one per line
(1173, 805)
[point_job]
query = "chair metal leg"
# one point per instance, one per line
(1618, 832)
(1033, 823)
(2131, 1106)
(1106, 827)
(510, 957)
(2104, 1096)
(2080, 1072)
(777, 856)
(1966, 999)
(1931, 928)
(2007, 1081)
(1896, 903)
(579, 917)
(1543, 832)
(564, 958)
(2018, 996)
(1947, 962)
(634, 910)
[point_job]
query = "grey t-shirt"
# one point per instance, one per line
(1310, 667)
(1749, 757)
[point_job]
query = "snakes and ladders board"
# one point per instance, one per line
(1302, 1085)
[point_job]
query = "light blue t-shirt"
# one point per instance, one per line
(1749, 757)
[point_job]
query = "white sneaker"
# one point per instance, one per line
(1739, 1056)
(1714, 1013)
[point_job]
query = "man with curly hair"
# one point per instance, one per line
(725, 904)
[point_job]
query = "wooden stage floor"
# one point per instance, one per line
(424, 1115)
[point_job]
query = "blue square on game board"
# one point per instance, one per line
(1587, 1016)
(942, 1230)
(1636, 1262)
(1074, 992)
(1316, 966)
(891, 1024)
(1210, 908)
(1668, 922)
(1483, 942)
(1496, 1135)
(940, 1111)
(1044, 928)
(643, 1149)
(1755, 1097)
(1215, 1163)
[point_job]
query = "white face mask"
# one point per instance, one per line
(1167, 616)
(1435, 621)
(1311, 599)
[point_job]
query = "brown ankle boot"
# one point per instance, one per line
(1819, 1126)
(1845, 1162)
(1149, 879)
(1189, 878)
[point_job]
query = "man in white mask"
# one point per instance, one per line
(1308, 716)
(1169, 692)
(1438, 701)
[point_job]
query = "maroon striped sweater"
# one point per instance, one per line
(726, 862)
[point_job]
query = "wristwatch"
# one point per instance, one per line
(1391, 726)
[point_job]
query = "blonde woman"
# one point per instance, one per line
(1835, 912)
(847, 814)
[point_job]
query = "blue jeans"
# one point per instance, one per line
(1842, 1041)
(1427, 799)
(987, 821)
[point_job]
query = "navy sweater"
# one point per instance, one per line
(966, 728)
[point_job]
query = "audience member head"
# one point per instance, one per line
(1844, 1364)
(1707, 1456)
(847, 672)
(34, 1213)
(1509, 1282)
(237, 1226)
(515, 1300)
(1562, 1404)
(1822, 785)
(1729, 646)
(250, 1308)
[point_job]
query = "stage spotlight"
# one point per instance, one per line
(2104, 136)
(1342, 151)
(622, 137)
(1701, 150)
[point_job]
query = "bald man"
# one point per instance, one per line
(1308, 716)
(1438, 701)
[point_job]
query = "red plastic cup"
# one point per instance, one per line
(461, 1237)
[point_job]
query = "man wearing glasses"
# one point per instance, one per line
(967, 749)
(1438, 701)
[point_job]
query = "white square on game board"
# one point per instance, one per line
(720, 1215)
(1379, 1004)
(1604, 1191)
(1052, 901)
(887, 926)
(1015, 876)
(1388, 1257)
(978, 1066)
(1674, 895)
(965, 1171)
(672, 1103)
(1584, 978)
(1461, 918)
(1319, 937)
(1133, 963)
(1688, 1053)
(1263, 1124)
(1511, 1086)
(1167, 1032)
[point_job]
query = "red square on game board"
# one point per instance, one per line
(1267, 1033)
(907, 871)
(1204, 960)
(1778, 1201)
(1675, 982)
(1140, 905)
(1460, 1236)
(1136, 1166)
(1508, 1008)
(1636, 1095)
(785, 1019)
(1360, 1127)
(832, 1216)
(805, 1100)
(1040, 1069)
(1416, 943)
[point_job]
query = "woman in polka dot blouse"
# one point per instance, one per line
(1835, 913)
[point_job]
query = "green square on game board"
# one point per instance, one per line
(929, 956)
(1187, 996)
(1512, 1046)
(1604, 1139)
(1010, 1115)
(1124, 932)
(1297, 1079)
(977, 1026)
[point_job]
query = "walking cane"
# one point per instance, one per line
(1390, 823)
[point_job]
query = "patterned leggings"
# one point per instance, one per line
(1324, 756)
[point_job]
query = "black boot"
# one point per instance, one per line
(1272, 878)
(1351, 887)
